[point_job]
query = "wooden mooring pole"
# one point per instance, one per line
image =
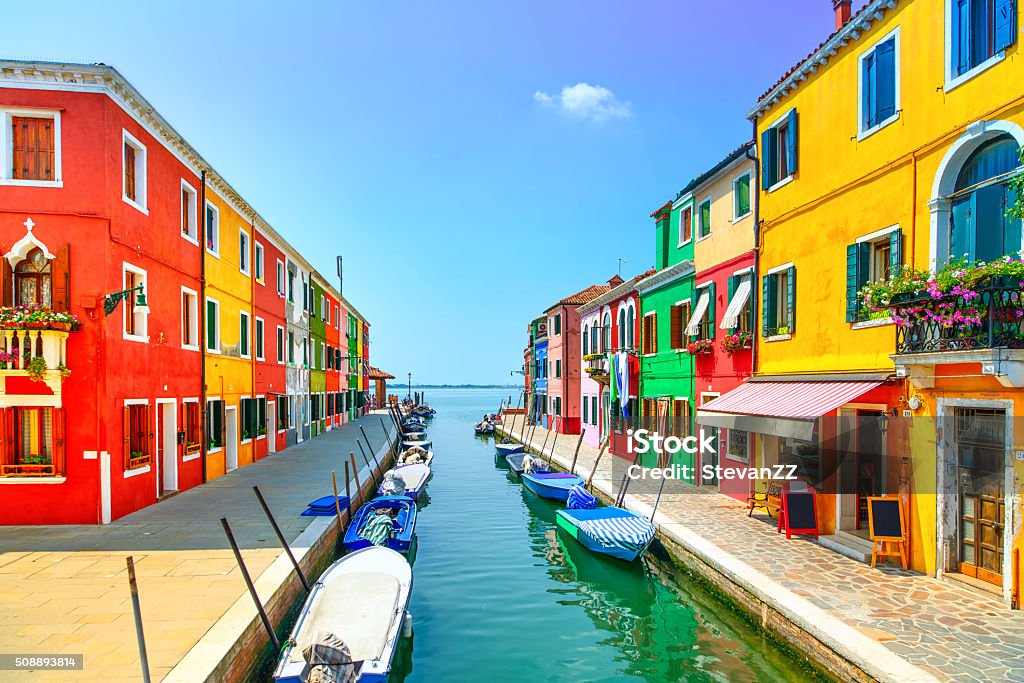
(576, 454)
(355, 475)
(337, 505)
(252, 589)
(280, 535)
(137, 609)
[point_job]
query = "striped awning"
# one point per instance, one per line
(781, 408)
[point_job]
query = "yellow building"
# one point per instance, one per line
(889, 146)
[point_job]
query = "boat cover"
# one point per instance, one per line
(358, 608)
(393, 485)
(329, 660)
(378, 529)
(580, 499)
(614, 527)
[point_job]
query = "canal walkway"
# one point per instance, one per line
(64, 589)
(887, 623)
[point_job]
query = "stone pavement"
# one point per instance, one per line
(64, 589)
(947, 630)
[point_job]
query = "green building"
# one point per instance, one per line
(318, 361)
(352, 332)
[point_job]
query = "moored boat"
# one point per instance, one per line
(412, 480)
(612, 531)
(351, 622)
(508, 448)
(516, 463)
(425, 444)
(413, 456)
(554, 485)
(370, 524)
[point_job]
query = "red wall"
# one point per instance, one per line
(270, 375)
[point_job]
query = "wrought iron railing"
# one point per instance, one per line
(992, 319)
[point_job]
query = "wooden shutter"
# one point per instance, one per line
(32, 148)
(791, 142)
(791, 298)
(768, 314)
(60, 275)
(852, 285)
(884, 86)
(711, 310)
(7, 282)
(57, 417)
(768, 143)
(895, 251)
(676, 324)
(654, 333)
(1006, 24)
(19, 140)
(7, 416)
(126, 424)
(959, 36)
(129, 171)
(148, 431)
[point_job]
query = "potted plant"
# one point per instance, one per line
(737, 342)
(36, 368)
(7, 357)
(700, 347)
(35, 460)
(64, 371)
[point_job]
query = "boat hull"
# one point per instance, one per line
(508, 448)
(515, 462)
(401, 541)
(553, 487)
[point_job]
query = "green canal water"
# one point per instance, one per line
(500, 594)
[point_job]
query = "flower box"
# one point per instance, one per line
(700, 347)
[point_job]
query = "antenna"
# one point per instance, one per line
(621, 261)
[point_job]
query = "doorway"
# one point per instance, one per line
(271, 427)
(861, 468)
(167, 448)
(231, 438)
(980, 447)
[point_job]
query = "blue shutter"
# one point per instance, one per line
(851, 283)
(960, 33)
(1006, 23)
(791, 298)
(961, 238)
(884, 89)
(768, 144)
(868, 84)
(895, 251)
(791, 146)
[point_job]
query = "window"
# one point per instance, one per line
(741, 196)
(137, 437)
(779, 296)
(685, 225)
(704, 219)
(606, 342)
(622, 328)
(291, 348)
(327, 314)
(871, 259)
(558, 323)
(215, 414)
(679, 316)
(649, 334)
(739, 445)
(213, 325)
(188, 213)
(135, 317)
(681, 417)
(779, 151)
(291, 286)
(31, 155)
(586, 411)
(257, 263)
(280, 278)
(879, 84)
(253, 418)
(739, 315)
(212, 229)
(134, 172)
(305, 353)
(243, 334)
(34, 280)
(280, 344)
(558, 367)
(282, 413)
(258, 343)
(980, 230)
(586, 340)
(323, 308)
(978, 32)
(593, 410)
(702, 322)
(192, 427)
(189, 319)
(337, 321)
(305, 295)
(243, 251)
(630, 327)
(558, 405)
(35, 444)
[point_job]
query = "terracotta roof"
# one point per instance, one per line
(377, 373)
(870, 7)
(582, 297)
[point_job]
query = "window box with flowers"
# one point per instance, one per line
(700, 347)
(740, 341)
(37, 318)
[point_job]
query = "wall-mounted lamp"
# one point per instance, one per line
(111, 301)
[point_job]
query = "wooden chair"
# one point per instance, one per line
(769, 498)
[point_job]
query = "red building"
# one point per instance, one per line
(270, 342)
(91, 204)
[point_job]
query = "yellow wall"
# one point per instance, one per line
(728, 239)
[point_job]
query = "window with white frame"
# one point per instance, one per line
(779, 151)
(212, 229)
(189, 319)
(872, 258)
(30, 147)
(323, 308)
(977, 34)
(280, 278)
(133, 171)
(738, 445)
(212, 325)
(337, 321)
(258, 338)
(243, 251)
(741, 196)
(280, 344)
(704, 219)
(879, 84)
(189, 219)
(243, 334)
(136, 318)
(778, 316)
(257, 263)
(685, 225)
(702, 321)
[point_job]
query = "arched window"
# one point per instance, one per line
(622, 328)
(630, 326)
(979, 228)
(32, 280)
(607, 341)
(586, 339)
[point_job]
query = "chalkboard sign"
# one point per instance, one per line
(798, 513)
(885, 519)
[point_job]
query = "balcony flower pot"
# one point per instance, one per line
(60, 326)
(37, 325)
(36, 368)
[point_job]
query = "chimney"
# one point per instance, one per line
(842, 8)
(615, 281)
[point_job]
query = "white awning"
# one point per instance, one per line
(739, 300)
(698, 313)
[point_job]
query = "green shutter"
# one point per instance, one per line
(851, 283)
(711, 310)
(791, 142)
(895, 251)
(752, 303)
(585, 411)
(768, 314)
(694, 298)
(791, 298)
(211, 325)
(731, 287)
(767, 159)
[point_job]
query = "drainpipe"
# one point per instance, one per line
(204, 417)
(755, 282)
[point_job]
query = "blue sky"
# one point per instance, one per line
(442, 147)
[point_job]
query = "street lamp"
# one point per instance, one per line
(111, 301)
(410, 386)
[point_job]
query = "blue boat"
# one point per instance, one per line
(515, 462)
(508, 448)
(610, 530)
(554, 485)
(404, 523)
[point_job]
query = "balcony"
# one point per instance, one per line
(37, 355)
(985, 326)
(596, 367)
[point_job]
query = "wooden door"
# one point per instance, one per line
(981, 453)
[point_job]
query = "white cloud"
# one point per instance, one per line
(585, 101)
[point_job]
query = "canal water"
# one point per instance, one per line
(500, 595)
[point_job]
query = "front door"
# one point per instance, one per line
(231, 438)
(167, 445)
(981, 456)
(271, 428)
